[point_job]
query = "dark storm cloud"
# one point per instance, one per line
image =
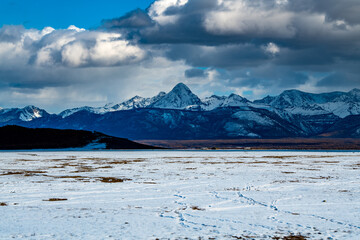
(30, 78)
(200, 22)
(340, 79)
(225, 56)
(347, 10)
(134, 19)
(308, 33)
(195, 72)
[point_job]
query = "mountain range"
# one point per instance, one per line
(180, 114)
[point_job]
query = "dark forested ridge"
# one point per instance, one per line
(16, 137)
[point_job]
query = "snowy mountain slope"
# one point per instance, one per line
(344, 105)
(210, 103)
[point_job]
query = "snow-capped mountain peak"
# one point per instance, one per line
(29, 113)
(179, 97)
(25, 114)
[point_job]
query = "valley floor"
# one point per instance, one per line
(179, 194)
(281, 143)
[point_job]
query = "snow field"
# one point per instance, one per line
(179, 194)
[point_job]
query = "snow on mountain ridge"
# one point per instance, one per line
(297, 102)
(137, 102)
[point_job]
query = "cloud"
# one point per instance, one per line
(195, 72)
(271, 48)
(101, 49)
(72, 47)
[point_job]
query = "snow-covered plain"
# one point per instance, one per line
(179, 194)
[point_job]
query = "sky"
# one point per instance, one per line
(64, 54)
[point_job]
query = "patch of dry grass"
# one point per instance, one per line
(291, 237)
(26, 173)
(112, 179)
(55, 199)
(196, 208)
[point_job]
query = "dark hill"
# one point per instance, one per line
(16, 138)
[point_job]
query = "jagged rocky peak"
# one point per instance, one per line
(266, 100)
(179, 97)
